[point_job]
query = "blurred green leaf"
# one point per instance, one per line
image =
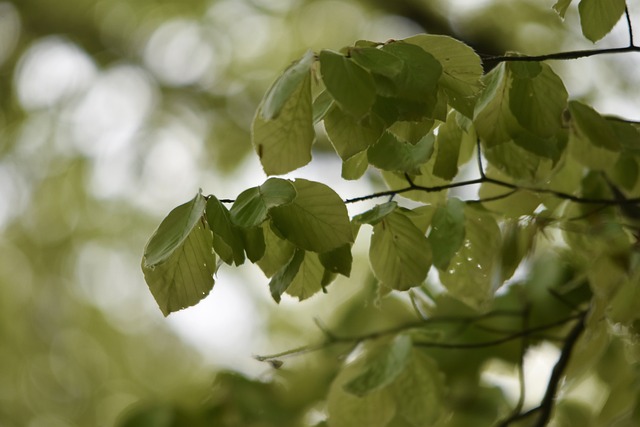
(276, 254)
(308, 279)
(383, 365)
(338, 260)
(355, 166)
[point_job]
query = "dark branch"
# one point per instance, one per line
(629, 26)
(547, 403)
(573, 54)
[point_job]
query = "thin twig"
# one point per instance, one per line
(574, 54)
(629, 26)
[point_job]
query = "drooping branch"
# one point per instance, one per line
(332, 339)
(545, 409)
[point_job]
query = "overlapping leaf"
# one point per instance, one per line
(598, 17)
(283, 143)
(400, 254)
(316, 220)
(178, 261)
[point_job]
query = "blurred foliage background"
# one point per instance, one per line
(112, 113)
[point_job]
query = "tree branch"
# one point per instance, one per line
(545, 408)
(573, 54)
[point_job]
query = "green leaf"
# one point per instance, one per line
(321, 106)
(400, 254)
(492, 116)
(420, 74)
(227, 239)
(179, 271)
(592, 140)
(561, 7)
(283, 278)
(316, 220)
(350, 85)
(376, 214)
(537, 103)
(253, 242)
(471, 273)
(277, 252)
(588, 124)
(338, 260)
(419, 391)
(309, 277)
(447, 232)
(251, 206)
(174, 230)
(350, 136)
(411, 132)
(461, 69)
(355, 166)
(375, 409)
(392, 154)
(284, 87)
(598, 17)
(518, 241)
(448, 143)
(383, 366)
(284, 143)
(377, 61)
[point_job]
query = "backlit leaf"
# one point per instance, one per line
(355, 166)
(350, 136)
(538, 102)
(283, 278)
(420, 74)
(392, 154)
(448, 142)
(284, 87)
(376, 214)
(276, 254)
(492, 116)
(400, 254)
(471, 273)
(174, 230)
(350, 85)
(461, 69)
(447, 232)
(316, 220)
(284, 143)
(308, 279)
(251, 206)
(185, 276)
(598, 17)
(338, 260)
